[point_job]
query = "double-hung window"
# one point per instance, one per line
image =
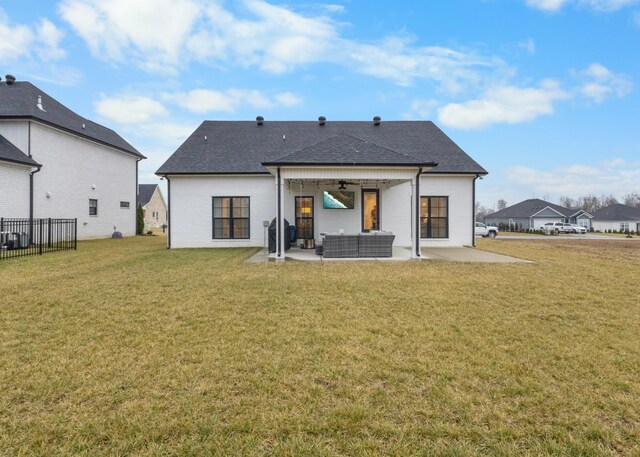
(434, 217)
(624, 227)
(93, 207)
(231, 218)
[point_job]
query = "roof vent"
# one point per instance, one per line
(322, 120)
(10, 79)
(259, 120)
(376, 120)
(39, 104)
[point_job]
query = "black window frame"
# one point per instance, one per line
(231, 218)
(429, 229)
(312, 217)
(93, 210)
(124, 205)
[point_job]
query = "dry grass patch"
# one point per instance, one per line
(125, 348)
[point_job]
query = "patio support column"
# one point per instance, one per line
(279, 219)
(416, 252)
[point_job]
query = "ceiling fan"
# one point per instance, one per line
(343, 184)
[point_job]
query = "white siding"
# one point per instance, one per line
(17, 132)
(191, 208)
(75, 170)
(192, 213)
(459, 189)
(14, 190)
(613, 225)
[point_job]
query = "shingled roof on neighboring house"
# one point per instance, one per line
(225, 147)
(145, 192)
(530, 207)
(22, 100)
(617, 212)
(10, 153)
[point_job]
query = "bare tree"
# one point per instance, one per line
(632, 199)
(501, 204)
(568, 202)
(482, 212)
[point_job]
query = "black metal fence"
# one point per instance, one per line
(23, 237)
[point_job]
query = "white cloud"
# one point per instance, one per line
(597, 5)
(602, 82)
(206, 101)
(503, 104)
(50, 35)
(616, 177)
(420, 109)
(255, 33)
(152, 30)
(15, 40)
(129, 109)
(19, 41)
(547, 5)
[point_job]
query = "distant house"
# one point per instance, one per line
(152, 202)
(534, 213)
(55, 163)
(617, 217)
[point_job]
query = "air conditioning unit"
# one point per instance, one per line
(4, 238)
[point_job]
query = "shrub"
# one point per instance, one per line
(139, 220)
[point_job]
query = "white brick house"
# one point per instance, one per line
(231, 178)
(69, 167)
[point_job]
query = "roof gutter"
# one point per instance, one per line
(418, 254)
(473, 212)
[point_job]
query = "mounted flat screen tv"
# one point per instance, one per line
(339, 199)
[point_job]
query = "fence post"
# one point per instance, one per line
(75, 235)
(40, 237)
(1, 224)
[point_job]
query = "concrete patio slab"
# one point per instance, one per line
(400, 253)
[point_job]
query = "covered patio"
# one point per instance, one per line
(347, 186)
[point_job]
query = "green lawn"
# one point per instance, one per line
(125, 348)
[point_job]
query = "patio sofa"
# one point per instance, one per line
(371, 244)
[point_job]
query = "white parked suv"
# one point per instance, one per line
(486, 230)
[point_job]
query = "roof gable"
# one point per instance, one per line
(21, 100)
(10, 153)
(145, 192)
(345, 149)
(218, 147)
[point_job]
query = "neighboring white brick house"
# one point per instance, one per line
(408, 178)
(80, 169)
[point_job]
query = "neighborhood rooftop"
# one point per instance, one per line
(145, 192)
(226, 147)
(23, 100)
(530, 207)
(618, 212)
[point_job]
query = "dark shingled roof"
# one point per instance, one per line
(10, 153)
(145, 192)
(19, 101)
(243, 147)
(617, 212)
(530, 207)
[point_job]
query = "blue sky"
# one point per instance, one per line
(542, 93)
